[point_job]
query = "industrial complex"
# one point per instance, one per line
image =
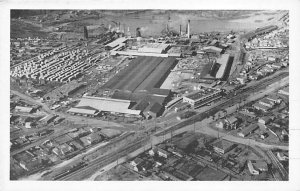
(122, 99)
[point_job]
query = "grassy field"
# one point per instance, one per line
(19, 29)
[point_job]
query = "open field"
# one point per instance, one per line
(21, 29)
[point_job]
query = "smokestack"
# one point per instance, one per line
(138, 32)
(188, 28)
(179, 30)
(85, 32)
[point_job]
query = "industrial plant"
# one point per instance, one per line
(147, 95)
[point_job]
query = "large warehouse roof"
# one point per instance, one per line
(108, 104)
(82, 111)
(153, 47)
(223, 61)
(212, 48)
(116, 42)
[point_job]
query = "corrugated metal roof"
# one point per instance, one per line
(162, 92)
(155, 108)
(212, 48)
(223, 61)
(24, 109)
(82, 111)
(116, 42)
(108, 104)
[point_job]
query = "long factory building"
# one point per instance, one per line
(92, 106)
(136, 90)
(142, 74)
(202, 97)
(222, 66)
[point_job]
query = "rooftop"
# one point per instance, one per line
(223, 61)
(82, 110)
(116, 42)
(153, 47)
(24, 109)
(232, 119)
(108, 104)
(202, 93)
(155, 108)
(260, 106)
(212, 48)
(223, 144)
(249, 129)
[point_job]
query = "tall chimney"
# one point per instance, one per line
(179, 30)
(85, 33)
(188, 28)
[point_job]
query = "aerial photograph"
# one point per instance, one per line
(149, 95)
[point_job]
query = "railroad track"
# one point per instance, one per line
(282, 171)
(102, 161)
(210, 111)
(105, 160)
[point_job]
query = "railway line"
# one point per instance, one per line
(91, 166)
(229, 101)
(98, 163)
(279, 166)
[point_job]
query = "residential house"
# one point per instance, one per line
(284, 91)
(136, 161)
(265, 120)
(232, 122)
(28, 125)
(264, 135)
(162, 153)
(261, 107)
(222, 146)
(274, 99)
(260, 165)
(266, 102)
(251, 168)
(281, 156)
(23, 109)
(248, 130)
(90, 139)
